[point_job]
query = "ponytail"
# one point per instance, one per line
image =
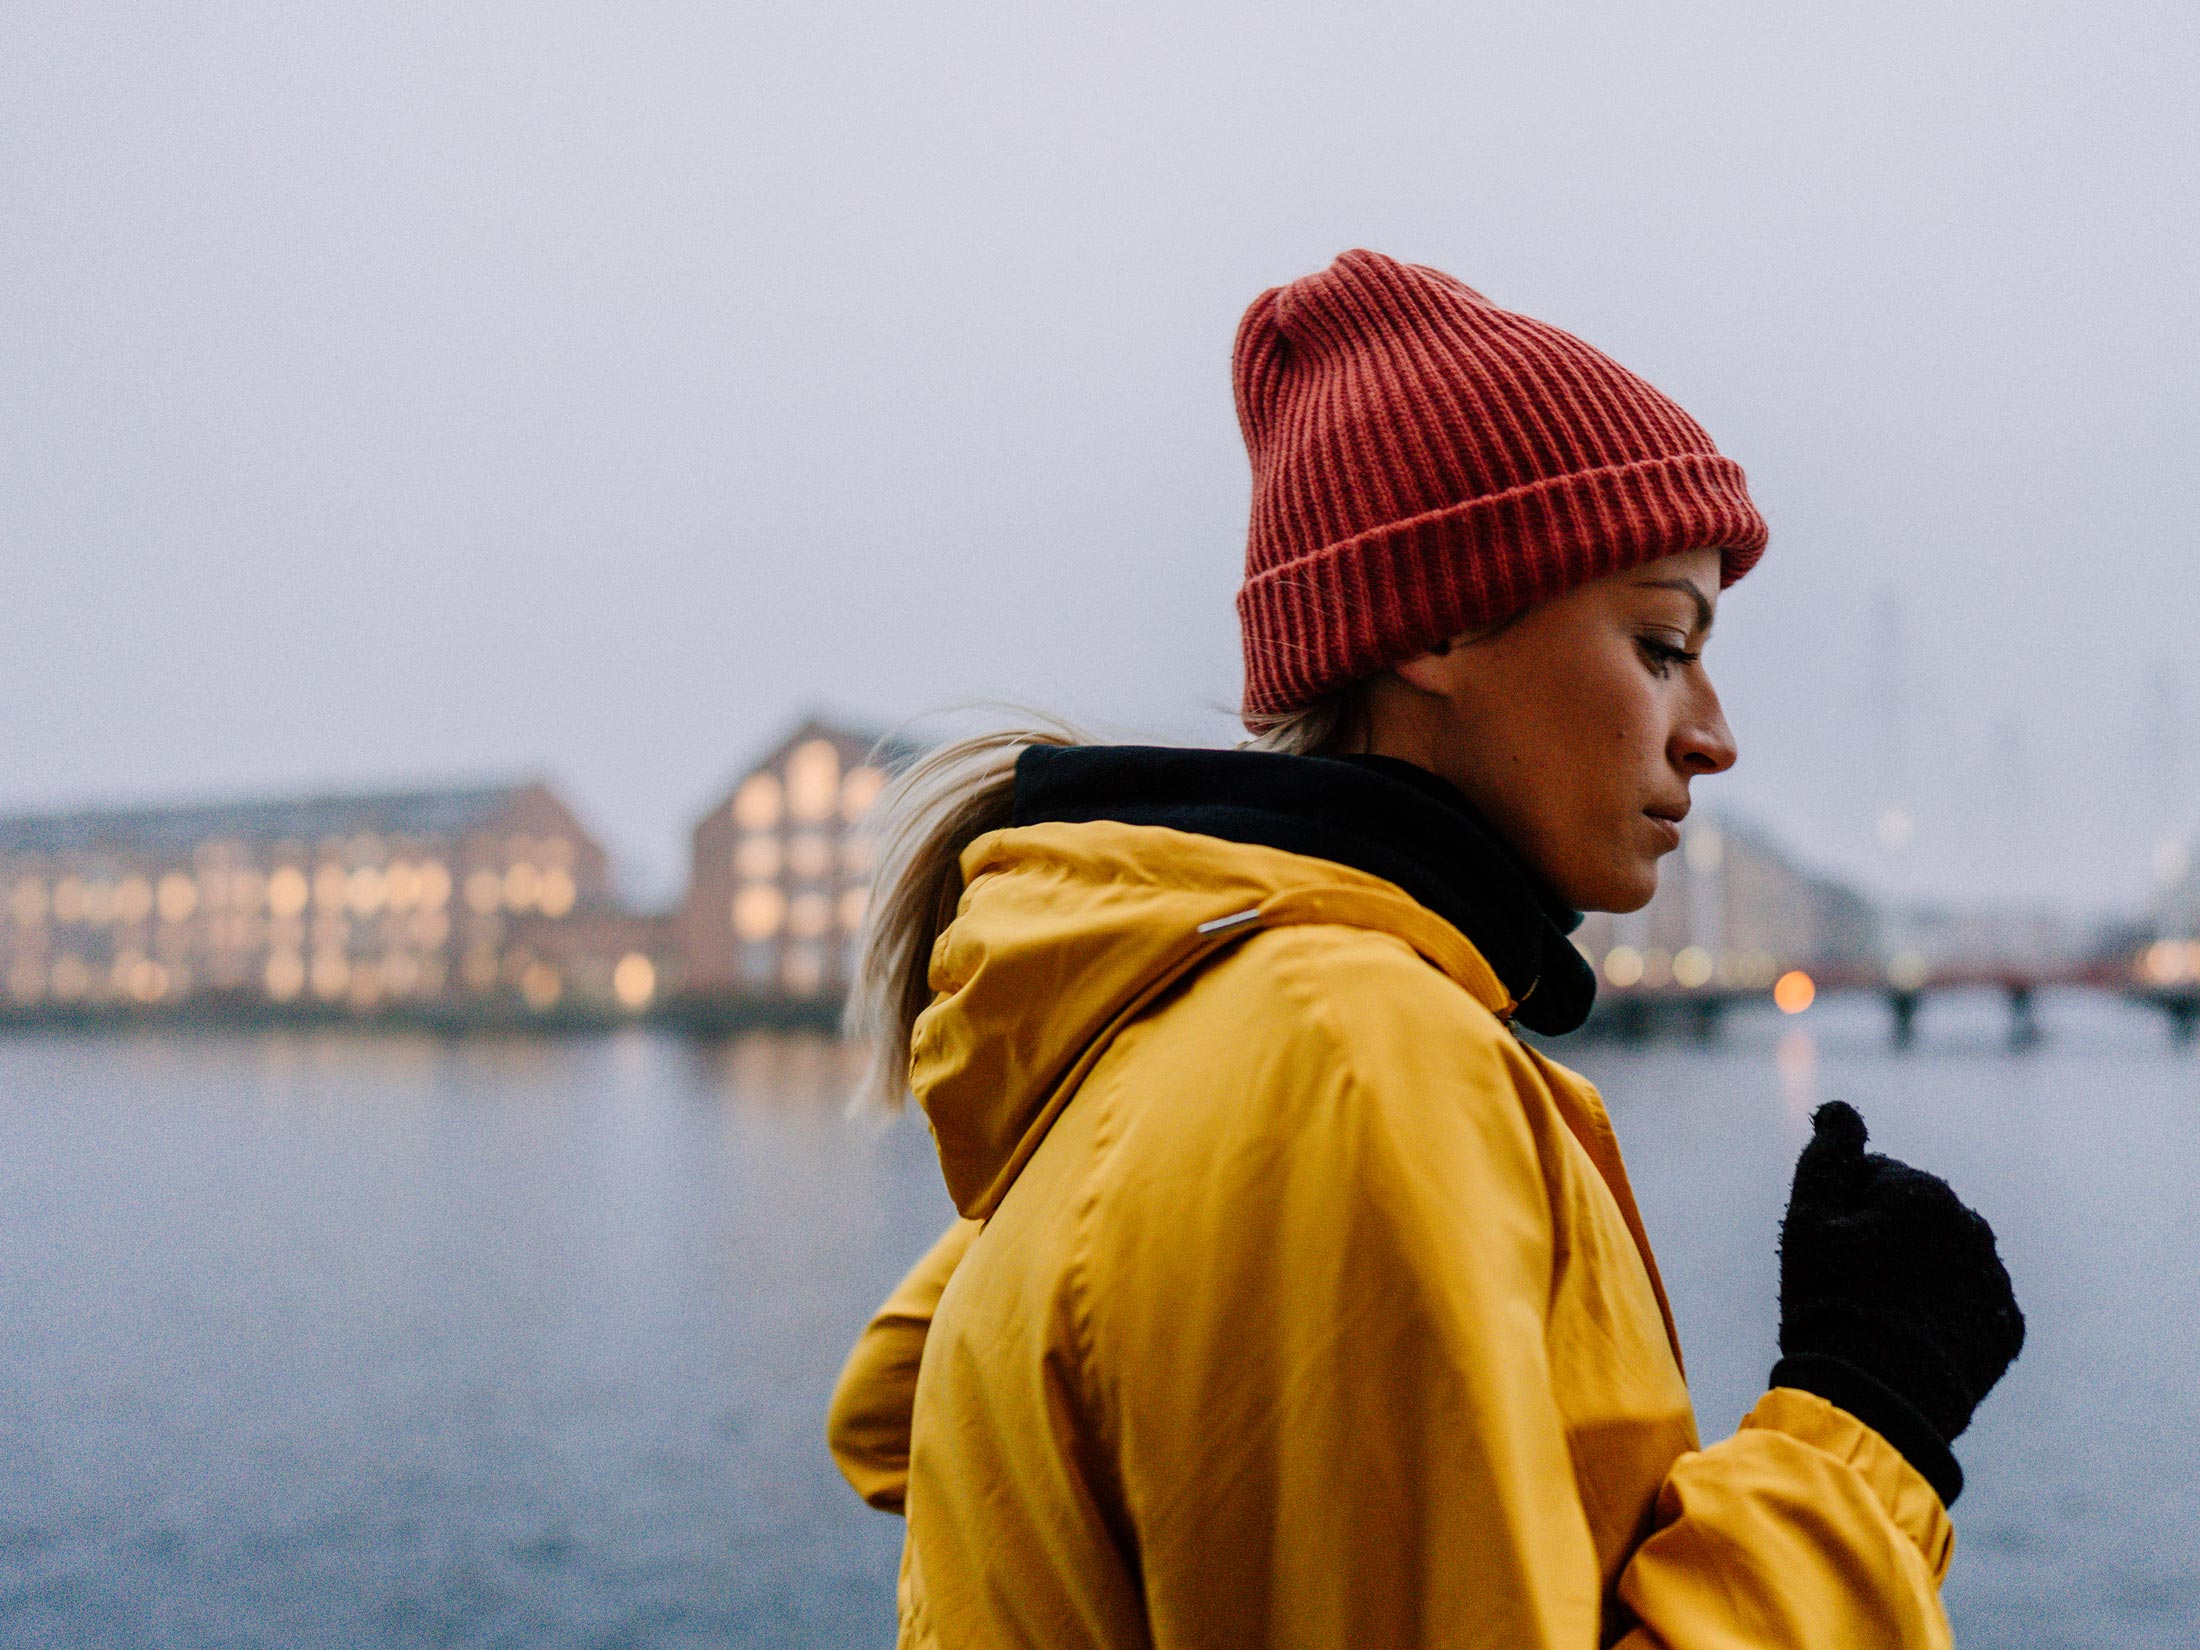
(927, 817)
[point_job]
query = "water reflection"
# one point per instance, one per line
(322, 1340)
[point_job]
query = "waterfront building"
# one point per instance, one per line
(1732, 911)
(361, 901)
(782, 870)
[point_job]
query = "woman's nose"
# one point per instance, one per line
(1704, 743)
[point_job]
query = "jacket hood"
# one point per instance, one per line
(1067, 930)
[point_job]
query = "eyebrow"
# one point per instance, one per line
(1703, 606)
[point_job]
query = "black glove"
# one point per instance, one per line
(1893, 1303)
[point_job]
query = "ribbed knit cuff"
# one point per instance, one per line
(1882, 1409)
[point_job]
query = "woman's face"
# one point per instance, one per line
(1577, 727)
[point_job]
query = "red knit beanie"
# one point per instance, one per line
(1425, 463)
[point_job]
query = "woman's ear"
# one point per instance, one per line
(1431, 673)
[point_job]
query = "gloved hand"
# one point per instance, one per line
(1893, 1303)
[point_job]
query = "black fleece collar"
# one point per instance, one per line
(1373, 813)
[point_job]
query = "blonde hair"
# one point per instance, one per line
(935, 809)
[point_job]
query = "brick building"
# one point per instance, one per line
(362, 901)
(782, 868)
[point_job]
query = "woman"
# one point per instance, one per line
(1297, 1301)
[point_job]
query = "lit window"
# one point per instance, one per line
(401, 885)
(856, 853)
(634, 981)
(400, 972)
(431, 928)
(758, 857)
(554, 893)
(71, 978)
(480, 967)
(810, 855)
(99, 900)
(852, 904)
(148, 981)
(756, 804)
(331, 886)
(540, 985)
(484, 891)
(759, 910)
(813, 780)
(177, 897)
(810, 916)
(368, 889)
(859, 791)
(287, 892)
(26, 982)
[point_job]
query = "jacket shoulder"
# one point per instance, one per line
(1327, 1042)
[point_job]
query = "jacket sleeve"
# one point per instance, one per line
(1321, 1367)
(867, 1424)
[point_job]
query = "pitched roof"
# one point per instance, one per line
(446, 811)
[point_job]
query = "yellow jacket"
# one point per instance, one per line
(1298, 1303)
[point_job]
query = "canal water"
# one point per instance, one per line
(319, 1341)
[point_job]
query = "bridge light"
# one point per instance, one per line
(1906, 970)
(1794, 992)
(1623, 966)
(1693, 967)
(2164, 962)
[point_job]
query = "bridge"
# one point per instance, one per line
(2165, 977)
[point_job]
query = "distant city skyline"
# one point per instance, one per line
(411, 394)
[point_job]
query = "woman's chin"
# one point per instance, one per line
(1618, 889)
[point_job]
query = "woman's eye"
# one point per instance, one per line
(1663, 655)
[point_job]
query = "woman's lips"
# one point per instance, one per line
(1669, 831)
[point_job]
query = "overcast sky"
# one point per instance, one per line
(401, 391)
